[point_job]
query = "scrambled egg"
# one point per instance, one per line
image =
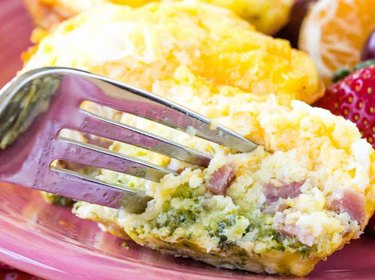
(304, 193)
(268, 16)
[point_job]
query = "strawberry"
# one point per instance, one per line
(353, 97)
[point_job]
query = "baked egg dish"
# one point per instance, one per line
(305, 192)
(268, 16)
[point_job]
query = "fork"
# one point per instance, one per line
(35, 106)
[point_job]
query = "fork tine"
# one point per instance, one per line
(81, 187)
(90, 155)
(134, 101)
(99, 126)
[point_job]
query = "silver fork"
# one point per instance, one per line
(37, 105)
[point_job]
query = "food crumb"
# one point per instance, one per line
(125, 245)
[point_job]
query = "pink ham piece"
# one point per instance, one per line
(349, 201)
(292, 230)
(273, 193)
(221, 179)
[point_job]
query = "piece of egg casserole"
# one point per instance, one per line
(304, 193)
(268, 16)
(146, 44)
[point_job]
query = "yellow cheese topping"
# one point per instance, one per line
(268, 16)
(143, 45)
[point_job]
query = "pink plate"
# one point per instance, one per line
(49, 242)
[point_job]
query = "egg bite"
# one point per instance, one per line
(268, 16)
(306, 191)
(142, 45)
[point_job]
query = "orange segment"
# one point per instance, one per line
(334, 32)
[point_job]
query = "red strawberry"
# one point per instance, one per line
(354, 98)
